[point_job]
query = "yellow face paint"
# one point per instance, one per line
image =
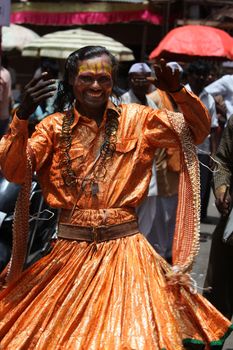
(95, 68)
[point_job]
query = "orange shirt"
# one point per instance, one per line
(141, 130)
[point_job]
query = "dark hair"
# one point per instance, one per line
(50, 65)
(65, 96)
(199, 67)
(5, 61)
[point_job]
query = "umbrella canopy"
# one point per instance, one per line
(16, 37)
(195, 41)
(62, 43)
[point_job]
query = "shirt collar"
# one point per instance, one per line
(111, 108)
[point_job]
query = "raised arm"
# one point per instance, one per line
(169, 129)
(13, 146)
(194, 111)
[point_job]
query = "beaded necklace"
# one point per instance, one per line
(106, 152)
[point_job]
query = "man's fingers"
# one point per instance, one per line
(35, 95)
(34, 81)
(43, 84)
(41, 94)
(42, 87)
(43, 97)
(176, 74)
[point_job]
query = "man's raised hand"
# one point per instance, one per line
(165, 78)
(35, 92)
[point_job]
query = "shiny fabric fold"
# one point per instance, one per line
(115, 297)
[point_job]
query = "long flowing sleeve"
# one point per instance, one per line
(195, 114)
(13, 151)
(14, 147)
(183, 130)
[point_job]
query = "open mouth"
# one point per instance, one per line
(94, 94)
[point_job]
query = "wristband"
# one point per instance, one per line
(177, 90)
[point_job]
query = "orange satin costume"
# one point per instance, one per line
(115, 295)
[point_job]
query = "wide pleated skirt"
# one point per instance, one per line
(111, 297)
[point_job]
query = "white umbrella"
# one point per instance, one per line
(62, 43)
(16, 37)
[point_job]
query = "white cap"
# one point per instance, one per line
(227, 64)
(139, 68)
(174, 65)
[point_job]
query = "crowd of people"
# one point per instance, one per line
(122, 169)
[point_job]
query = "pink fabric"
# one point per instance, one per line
(5, 93)
(72, 18)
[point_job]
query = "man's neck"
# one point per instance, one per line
(96, 114)
(195, 90)
(142, 99)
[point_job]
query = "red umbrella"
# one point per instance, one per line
(195, 41)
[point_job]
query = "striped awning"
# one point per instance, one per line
(75, 13)
(61, 44)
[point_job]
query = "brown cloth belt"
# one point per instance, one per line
(99, 233)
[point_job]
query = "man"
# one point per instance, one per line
(139, 88)
(219, 278)
(139, 85)
(223, 87)
(5, 99)
(103, 286)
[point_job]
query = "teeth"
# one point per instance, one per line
(94, 94)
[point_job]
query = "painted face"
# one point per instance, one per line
(93, 83)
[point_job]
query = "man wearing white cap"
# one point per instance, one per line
(139, 87)
(224, 87)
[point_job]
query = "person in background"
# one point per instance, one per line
(103, 286)
(139, 87)
(221, 115)
(197, 75)
(218, 286)
(5, 100)
(221, 109)
(5, 61)
(16, 86)
(223, 87)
